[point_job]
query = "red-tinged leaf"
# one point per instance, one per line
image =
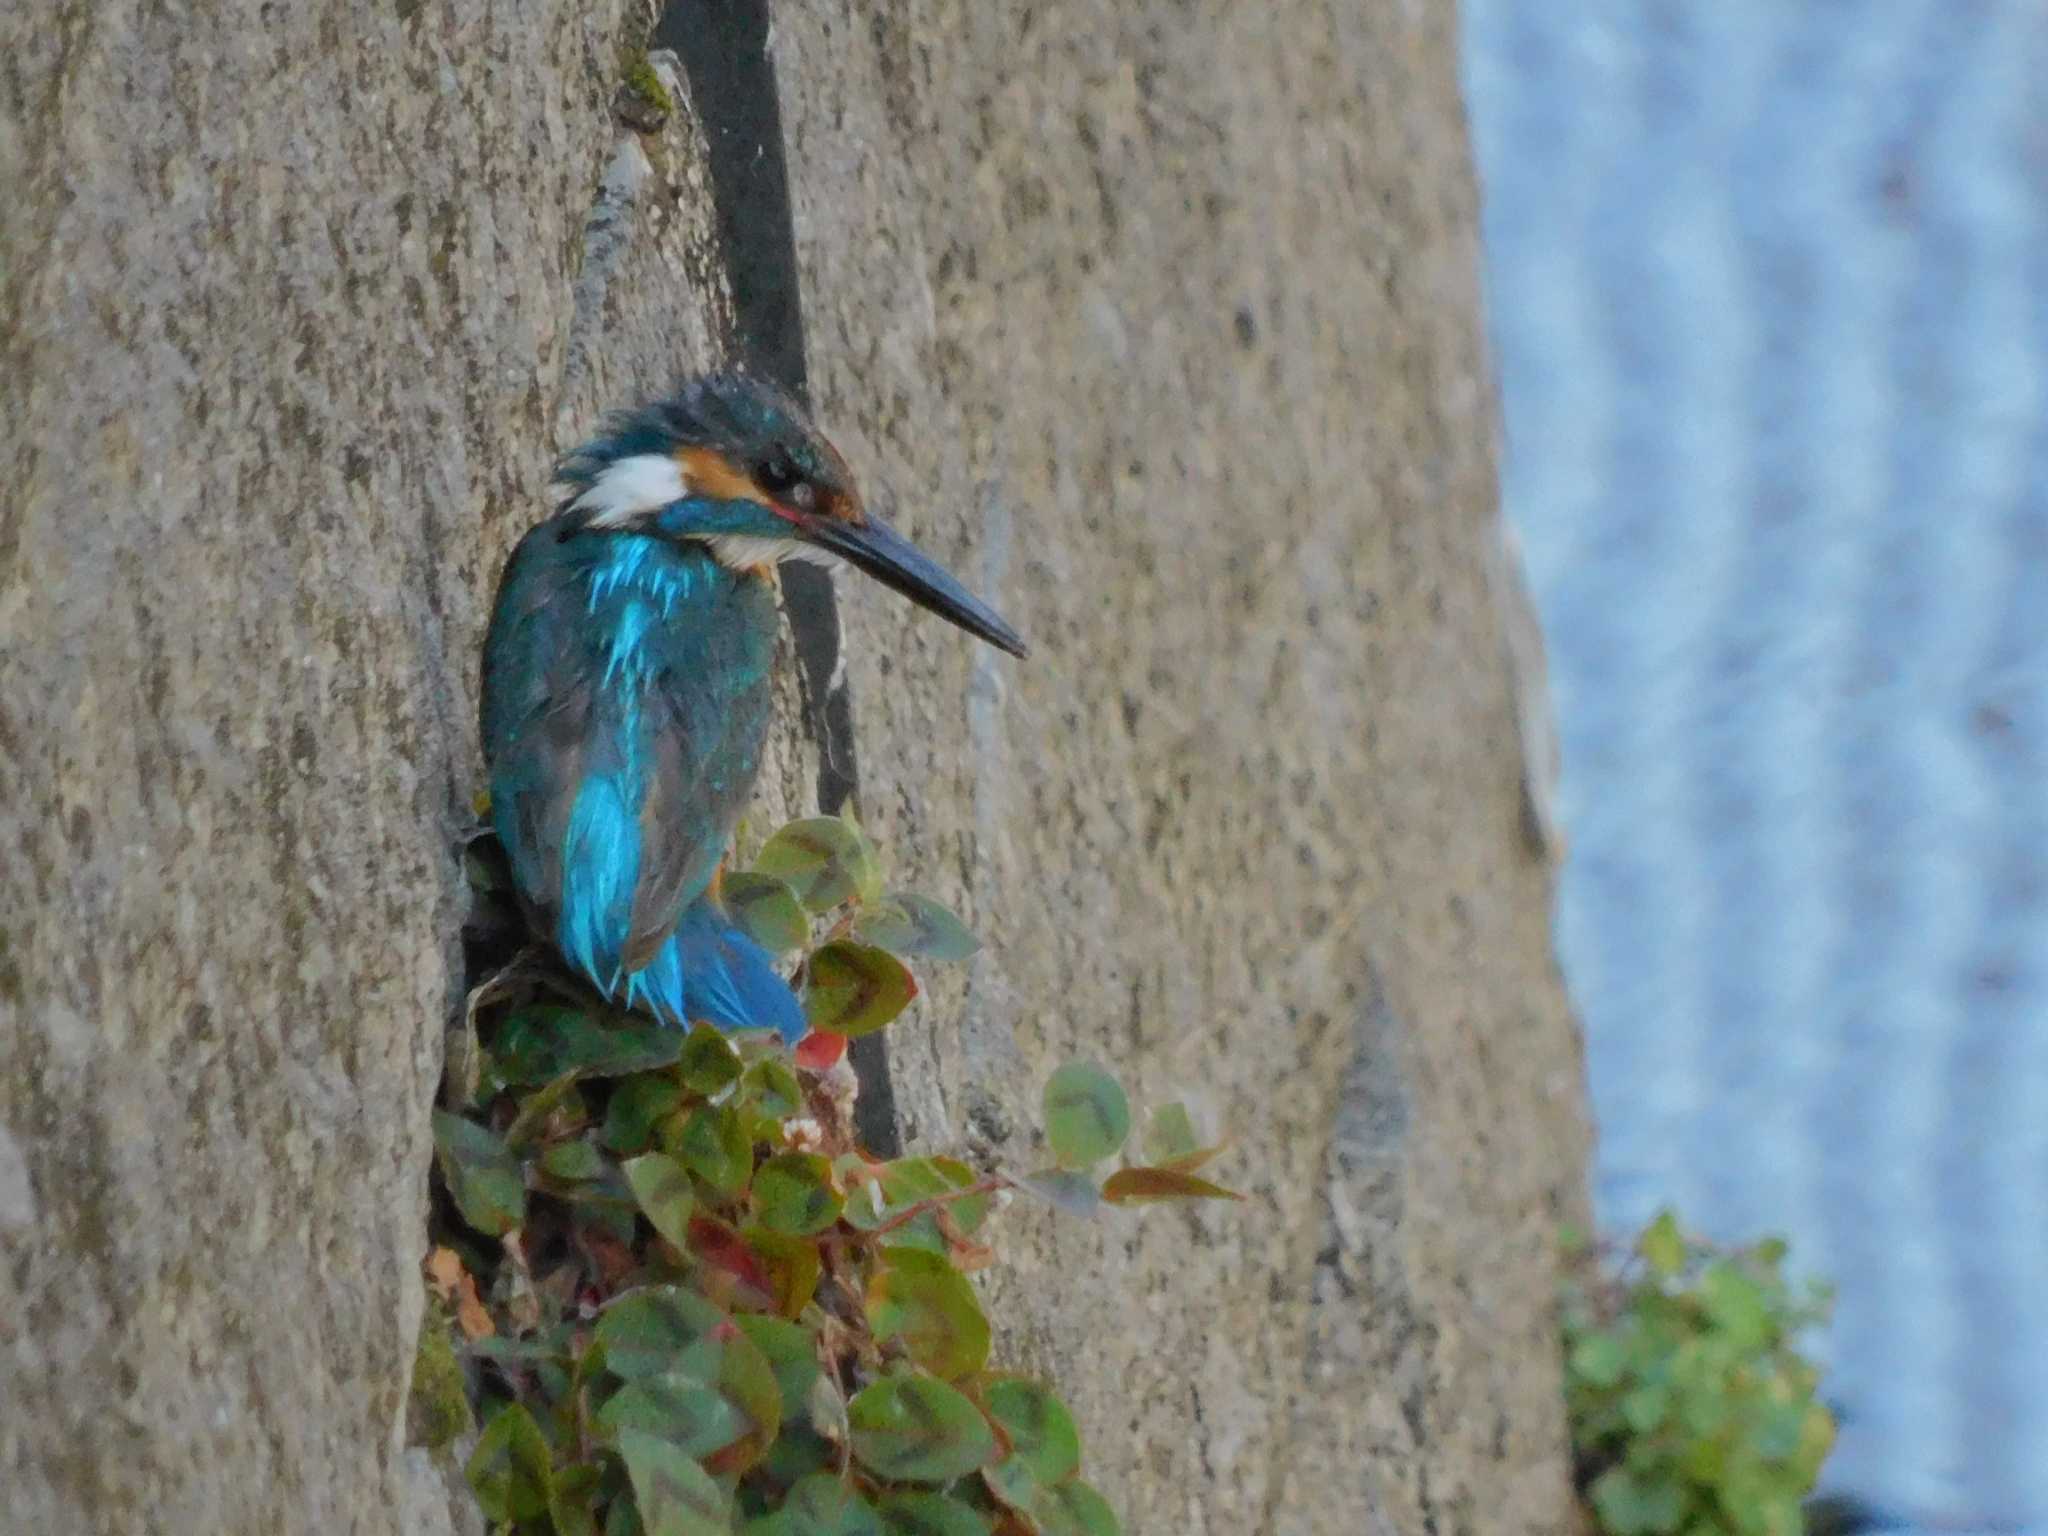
(919, 1299)
(819, 1051)
(609, 1254)
(1136, 1186)
(855, 989)
(732, 1265)
(793, 1267)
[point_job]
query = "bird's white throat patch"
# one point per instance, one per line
(742, 552)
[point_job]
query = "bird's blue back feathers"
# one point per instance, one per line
(625, 705)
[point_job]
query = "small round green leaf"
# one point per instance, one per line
(825, 860)
(793, 1192)
(693, 1416)
(538, 1043)
(822, 1505)
(714, 1145)
(1632, 1505)
(916, 1429)
(1170, 1134)
(922, 1300)
(767, 911)
(572, 1160)
(1599, 1359)
(1662, 1245)
(708, 1061)
(661, 1188)
(670, 1341)
(676, 1496)
(1040, 1430)
(1073, 1508)
(791, 1351)
(646, 1332)
(931, 1514)
(855, 989)
(482, 1175)
(772, 1088)
(538, 1108)
(572, 1503)
(637, 1106)
(906, 924)
(905, 1182)
(511, 1468)
(1087, 1116)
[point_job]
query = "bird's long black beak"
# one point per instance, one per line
(876, 548)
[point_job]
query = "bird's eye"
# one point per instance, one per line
(777, 472)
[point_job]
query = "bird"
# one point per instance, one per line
(626, 690)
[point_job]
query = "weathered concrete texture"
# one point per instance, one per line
(289, 294)
(1161, 322)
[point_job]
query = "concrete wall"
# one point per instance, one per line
(1159, 322)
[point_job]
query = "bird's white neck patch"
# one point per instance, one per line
(632, 487)
(743, 552)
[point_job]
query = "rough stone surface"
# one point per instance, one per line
(1158, 323)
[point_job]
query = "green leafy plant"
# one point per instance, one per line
(1691, 1406)
(682, 1300)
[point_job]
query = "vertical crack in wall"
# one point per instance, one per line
(724, 48)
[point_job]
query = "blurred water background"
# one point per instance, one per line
(1769, 289)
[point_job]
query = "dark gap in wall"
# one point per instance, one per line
(723, 45)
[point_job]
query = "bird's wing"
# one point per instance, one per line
(624, 733)
(537, 714)
(701, 736)
(703, 717)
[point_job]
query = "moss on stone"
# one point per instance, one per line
(642, 80)
(438, 1413)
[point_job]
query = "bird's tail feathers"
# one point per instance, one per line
(710, 971)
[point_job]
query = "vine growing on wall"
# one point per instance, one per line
(679, 1299)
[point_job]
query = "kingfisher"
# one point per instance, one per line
(626, 690)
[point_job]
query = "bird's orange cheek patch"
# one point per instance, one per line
(707, 472)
